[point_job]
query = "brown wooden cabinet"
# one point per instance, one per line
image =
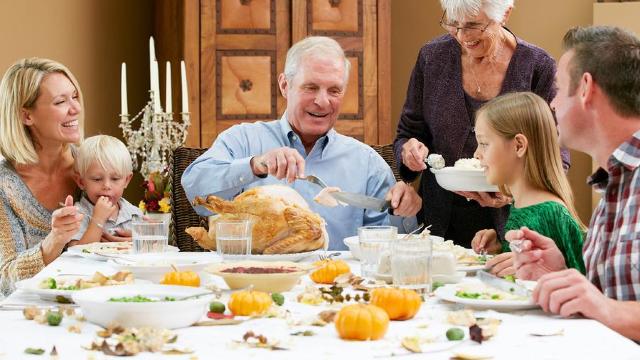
(235, 49)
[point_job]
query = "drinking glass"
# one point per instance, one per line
(411, 263)
(233, 238)
(149, 235)
(375, 245)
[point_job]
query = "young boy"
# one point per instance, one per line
(103, 170)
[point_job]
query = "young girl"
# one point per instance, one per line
(518, 148)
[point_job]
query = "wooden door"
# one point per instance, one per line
(355, 25)
(243, 47)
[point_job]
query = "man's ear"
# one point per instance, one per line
(283, 85)
(127, 180)
(521, 145)
(586, 89)
(25, 115)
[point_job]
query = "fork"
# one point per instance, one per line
(516, 246)
(313, 179)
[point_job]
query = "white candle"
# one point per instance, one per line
(123, 90)
(185, 93)
(152, 58)
(155, 87)
(168, 89)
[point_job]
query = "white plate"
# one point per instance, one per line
(57, 295)
(153, 266)
(97, 308)
(468, 268)
(448, 293)
(454, 179)
(449, 279)
(353, 243)
(276, 257)
(93, 251)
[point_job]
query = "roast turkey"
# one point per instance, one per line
(282, 220)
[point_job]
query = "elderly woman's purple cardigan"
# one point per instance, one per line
(435, 113)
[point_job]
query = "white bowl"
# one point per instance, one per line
(153, 266)
(97, 308)
(454, 179)
(353, 243)
(267, 282)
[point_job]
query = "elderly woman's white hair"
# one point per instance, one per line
(319, 46)
(459, 9)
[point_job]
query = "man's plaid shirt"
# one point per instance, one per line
(612, 246)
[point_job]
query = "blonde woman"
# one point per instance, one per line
(518, 148)
(40, 116)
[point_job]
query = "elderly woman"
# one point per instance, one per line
(477, 60)
(40, 115)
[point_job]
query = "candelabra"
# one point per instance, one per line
(156, 137)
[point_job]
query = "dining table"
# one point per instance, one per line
(521, 334)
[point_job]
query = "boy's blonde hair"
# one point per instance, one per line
(528, 114)
(19, 89)
(108, 151)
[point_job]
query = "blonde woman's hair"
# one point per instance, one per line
(19, 89)
(107, 151)
(528, 114)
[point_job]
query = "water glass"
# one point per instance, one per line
(149, 236)
(411, 263)
(375, 246)
(233, 238)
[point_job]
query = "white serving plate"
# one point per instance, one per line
(353, 243)
(275, 257)
(448, 293)
(454, 179)
(163, 314)
(94, 251)
(449, 279)
(153, 266)
(32, 286)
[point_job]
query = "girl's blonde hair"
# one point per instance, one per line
(19, 89)
(107, 151)
(528, 114)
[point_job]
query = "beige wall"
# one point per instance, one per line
(541, 22)
(92, 38)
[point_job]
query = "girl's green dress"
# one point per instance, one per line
(552, 220)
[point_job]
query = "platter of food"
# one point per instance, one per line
(102, 251)
(276, 257)
(481, 296)
(153, 266)
(61, 288)
(263, 276)
(465, 175)
(159, 306)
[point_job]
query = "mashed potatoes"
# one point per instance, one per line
(468, 164)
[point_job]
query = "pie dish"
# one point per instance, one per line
(277, 276)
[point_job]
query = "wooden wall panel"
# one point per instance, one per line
(235, 50)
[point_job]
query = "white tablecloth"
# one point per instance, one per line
(582, 338)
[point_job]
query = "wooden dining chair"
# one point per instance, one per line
(386, 151)
(182, 212)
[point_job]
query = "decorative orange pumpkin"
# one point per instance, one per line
(400, 304)
(183, 278)
(361, 322)
(249, 303)
(328, 271)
